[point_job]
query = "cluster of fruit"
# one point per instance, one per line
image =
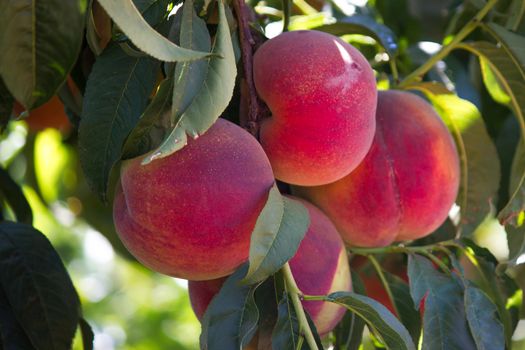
(380, 167)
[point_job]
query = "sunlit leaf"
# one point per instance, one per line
(131, 22)
(278, 232)
(40, 42)
(211, 100)
(494, 87)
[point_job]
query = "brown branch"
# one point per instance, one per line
(250, 104)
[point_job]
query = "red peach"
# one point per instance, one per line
(322, 95)
(191, 214)
(320, 267)
(405, 186)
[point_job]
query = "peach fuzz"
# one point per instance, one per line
(320, 267)
(322, 95)
(405, 186)
(190, 215)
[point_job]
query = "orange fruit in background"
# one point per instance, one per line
(51, 114)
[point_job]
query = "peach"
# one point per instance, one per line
(405, 186)
(322, 95)
(320, 267)
(191, 214)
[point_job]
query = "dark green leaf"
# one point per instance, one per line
(286, 334)
(365, 25)
(516, 241)
(211, 100)
(6, 105)
(116, 94)
(87, 335)
(480, 171)
(12, 335)
(230, 321)
(131, 22)
(484, 325)
(13, 194)
(381, 321)
(493, 283)
(39, 42)
(404, 305)
(38, 287)
(349, 332)
(444, 320)
(278, 232)
(507, 63)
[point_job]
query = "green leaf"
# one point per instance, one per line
(492, 83)
(444, 321)
(364, 25)
(39, 41)
(211, 100)
(286, 334)
(116, 94)
(381, 321)
(484, 325)
(404, 305)
(275, 239)
(15, 197)
(516, 241)
(230, 321)
(87, 335)
(147, 39)
(12, 335)
(156, 122)
(6, 105)
(507, 63)
(349, 332)
(493, 283)
(480, 167)
(38, 287)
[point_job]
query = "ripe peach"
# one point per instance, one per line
(320, 267)
(404, 187)
(191, 214)
(322, 95)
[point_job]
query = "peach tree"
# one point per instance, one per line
(324, 174)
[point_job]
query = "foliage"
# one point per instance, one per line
(151, 76)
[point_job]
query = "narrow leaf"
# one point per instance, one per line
(506, 61)
(485, 326)
(131, 22)
(87, 335)
(40, 42)
(444, 320)
(211, 100)
(286, 334)
(278, 232)
(116, 95)
(349, 332)
(15, 197)
(480, 167)
(516, 241)
(381, 321)
(38, 287)
(230, 321)
(365, 25)
(404, 305)
(492, 83)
